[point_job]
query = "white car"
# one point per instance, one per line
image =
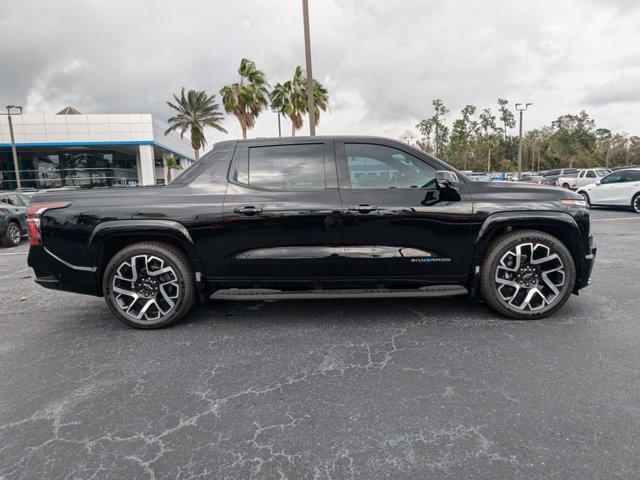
(584, 177)
(620, 188)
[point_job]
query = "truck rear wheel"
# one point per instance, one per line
(527, 274)
(149, 285)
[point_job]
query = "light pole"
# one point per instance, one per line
(13, 142)
(307, 52)
(521, 107)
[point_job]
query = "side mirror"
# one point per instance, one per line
(598, 182)
(446, 178)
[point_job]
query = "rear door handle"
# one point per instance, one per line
(248, 210)
(364, 208)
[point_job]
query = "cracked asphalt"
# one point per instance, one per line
(325, 389)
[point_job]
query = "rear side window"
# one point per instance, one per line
(631, 176)
(570, 171)
(283, 167)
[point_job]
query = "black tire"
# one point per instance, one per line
(585, 197)
(635, 203)
(541, 244)
(176, 286)
(567, 186)
(12, 235)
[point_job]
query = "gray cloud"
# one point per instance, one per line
(382, 60)
(621, 90)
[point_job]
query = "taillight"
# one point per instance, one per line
(34, 212)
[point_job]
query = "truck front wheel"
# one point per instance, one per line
(149, 285)
(527, 274)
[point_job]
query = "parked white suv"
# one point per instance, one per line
(585, 177)
(620, 188)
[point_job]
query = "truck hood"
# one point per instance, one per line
(519, 191)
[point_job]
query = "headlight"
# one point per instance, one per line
(575, 203)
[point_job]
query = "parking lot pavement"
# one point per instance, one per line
(326, 390)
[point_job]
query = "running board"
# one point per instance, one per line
(269, 294)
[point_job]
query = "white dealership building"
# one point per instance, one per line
(73, 149)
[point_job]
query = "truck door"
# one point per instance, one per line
(398, 225)
(282, 213)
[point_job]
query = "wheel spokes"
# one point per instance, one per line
(529, 276)
(145, 287)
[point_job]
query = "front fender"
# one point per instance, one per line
(560, 224)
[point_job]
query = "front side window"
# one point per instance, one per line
(379, 166)
(612, 178)
(591, 174)
(284, 167)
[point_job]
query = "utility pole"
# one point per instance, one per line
(13, 142)
(279, 127)
(520, 107)
(307, 52)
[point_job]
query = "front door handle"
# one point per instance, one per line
(364, 208)
(248, 210)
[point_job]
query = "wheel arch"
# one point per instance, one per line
(108, 238)
(558, 224)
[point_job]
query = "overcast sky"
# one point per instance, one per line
(382, 60)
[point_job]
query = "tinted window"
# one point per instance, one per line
(284, 167)
(612, 178)
(551, 173)
(570, 171)
(601, 173)
(631, 176)
(591, 174)
(378, 166)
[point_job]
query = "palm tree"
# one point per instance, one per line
(172, 163)
(196, 111)
(290, 99)
(248, 97)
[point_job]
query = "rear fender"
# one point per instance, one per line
(163, 230)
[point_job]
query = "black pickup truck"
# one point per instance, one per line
(314, 217)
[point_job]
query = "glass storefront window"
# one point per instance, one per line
(61, 167)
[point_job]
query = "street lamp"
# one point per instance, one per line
(307, 51)
(13, 142)
(521, 107)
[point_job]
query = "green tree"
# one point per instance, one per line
(603, 136)
(574, 139)
(506, 116)
(290, 99)
(434, 130)
(172, 163)
(487, 129)
(463, 134)
(248, 97)
(195, 111)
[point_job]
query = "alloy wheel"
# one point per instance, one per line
(145, 287)
(636, 204)
(585, 197)
(14, 234)
(529, 276)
